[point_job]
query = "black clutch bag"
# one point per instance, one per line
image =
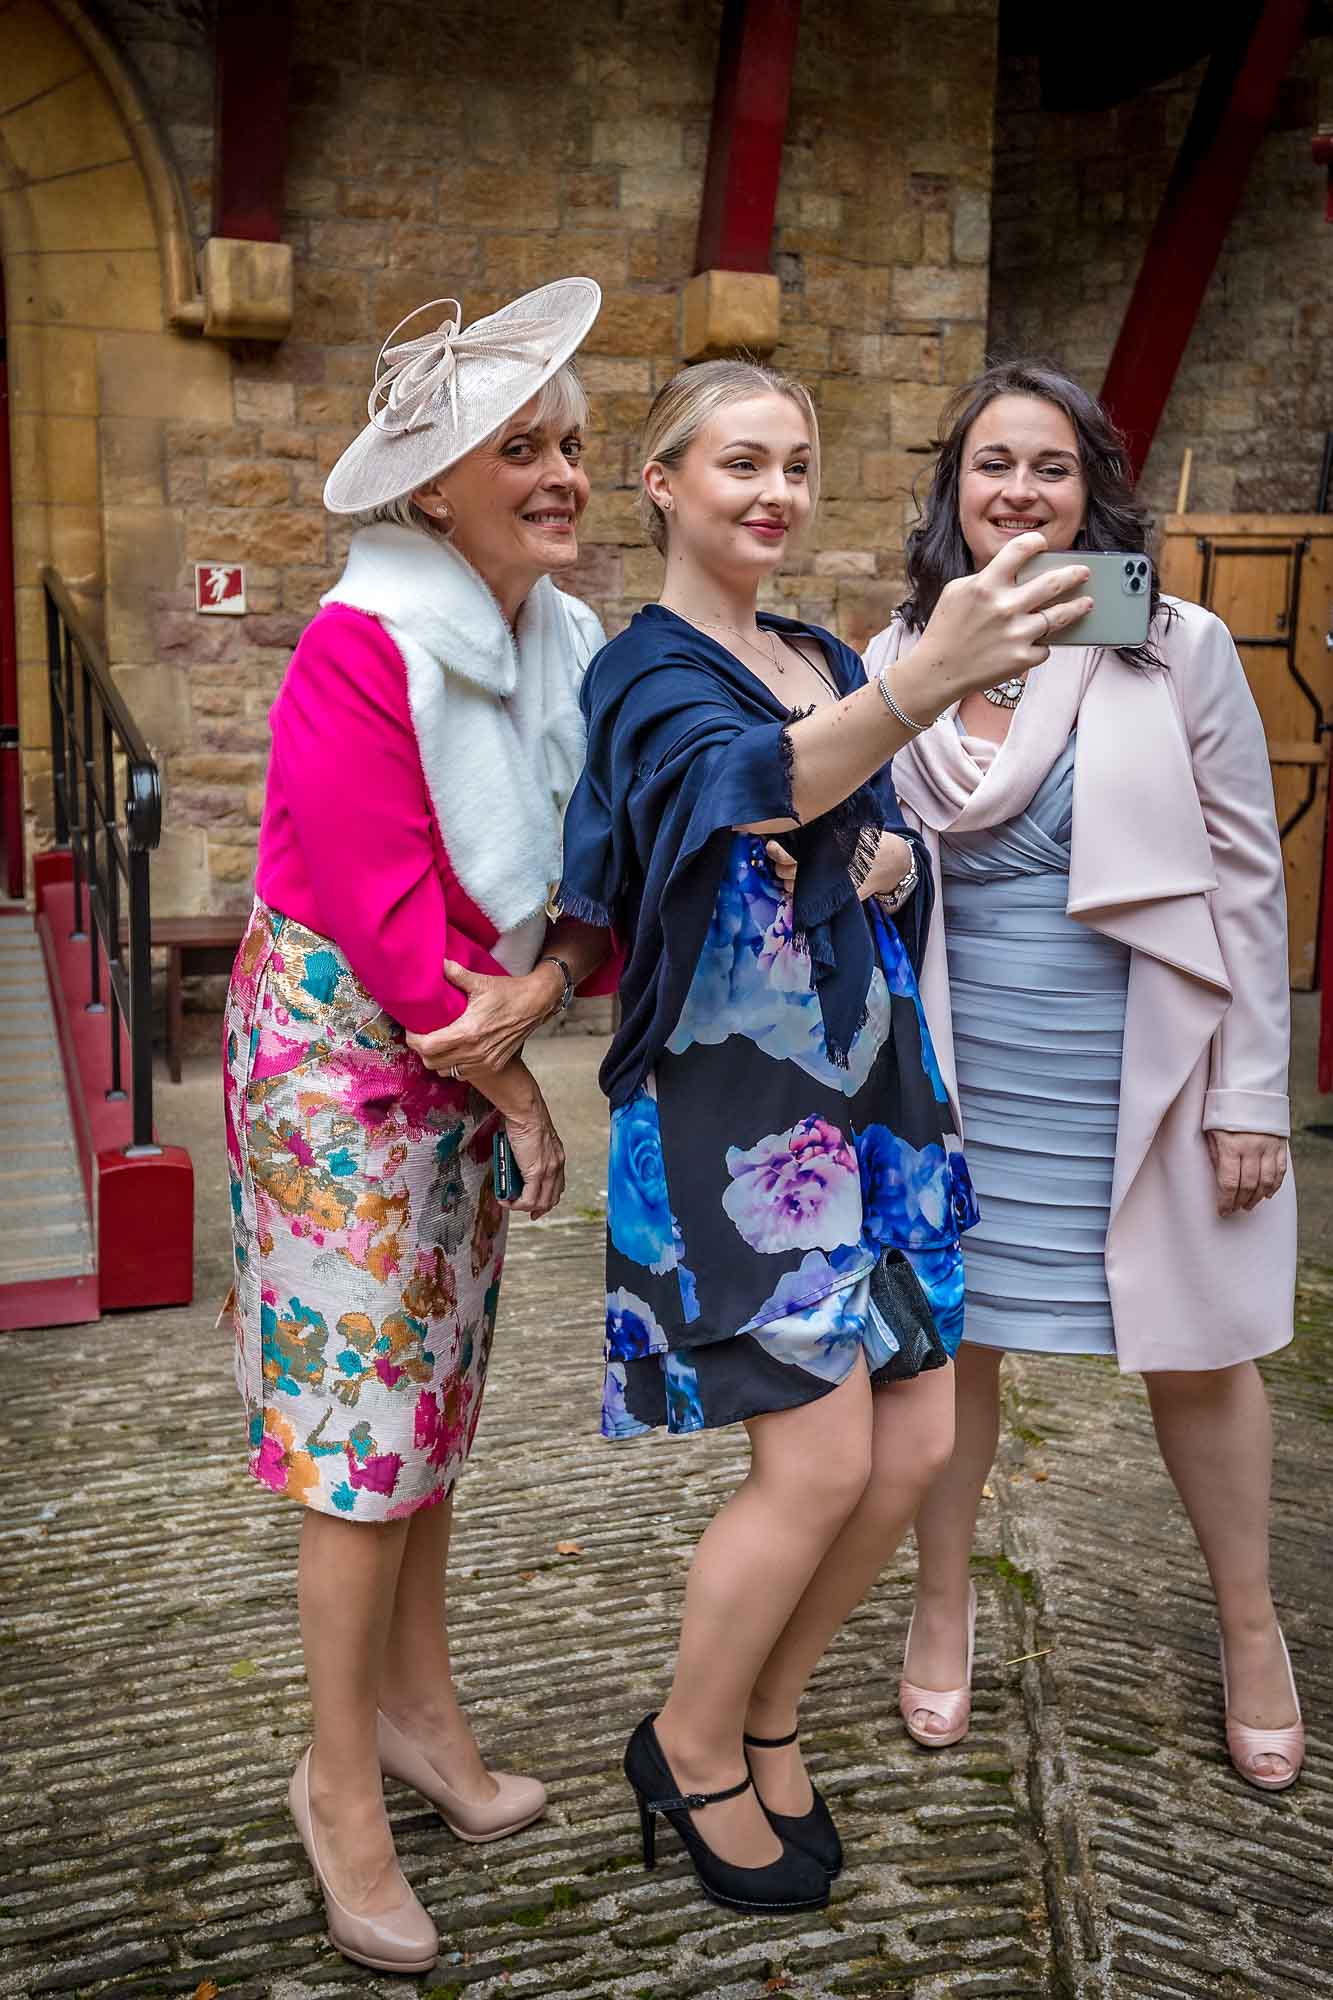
(896, 1295)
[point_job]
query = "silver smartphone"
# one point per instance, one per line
(1120, 587)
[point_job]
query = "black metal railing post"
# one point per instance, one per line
(72, 785)
(117, 1089)
(88, 827)
(53, 642)
(110, 836)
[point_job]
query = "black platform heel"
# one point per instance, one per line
(814, 1831)
(795, 1881)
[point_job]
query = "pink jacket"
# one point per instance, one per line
(349, 844)
(1175, 852)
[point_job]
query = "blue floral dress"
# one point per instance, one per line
(753, 1184)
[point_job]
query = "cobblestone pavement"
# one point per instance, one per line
(1089, 1837)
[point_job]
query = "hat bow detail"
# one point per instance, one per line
(410, 378)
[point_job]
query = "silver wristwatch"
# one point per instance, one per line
(894, 898)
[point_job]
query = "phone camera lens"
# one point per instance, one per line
(1136, 583)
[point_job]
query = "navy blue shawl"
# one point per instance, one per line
(685, 744)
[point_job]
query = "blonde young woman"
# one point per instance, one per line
(785, 1200)
(425, 737)
(1108, 986)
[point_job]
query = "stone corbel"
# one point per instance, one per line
(247, 289)
(723, 312)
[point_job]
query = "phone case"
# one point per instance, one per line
(508, 1179)
(1120, 587)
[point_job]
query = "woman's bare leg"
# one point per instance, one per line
(808, 1469)
(1216, 1438)
(912, 1440)
(416, 1685)
(347, 1575)
(946, 1526)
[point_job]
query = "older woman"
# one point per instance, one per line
(1109, 995)
(425, 739)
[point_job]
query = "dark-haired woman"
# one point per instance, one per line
(1108, 996)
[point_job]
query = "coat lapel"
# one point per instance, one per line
(1141, 870)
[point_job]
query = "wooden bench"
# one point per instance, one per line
(193, 945)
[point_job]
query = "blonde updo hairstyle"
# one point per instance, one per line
(690, 400)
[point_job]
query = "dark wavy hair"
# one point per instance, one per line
(1116, 517)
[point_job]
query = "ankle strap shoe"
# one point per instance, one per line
(795, 1881)
(814, 1830)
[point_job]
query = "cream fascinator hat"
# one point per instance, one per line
(437, 396)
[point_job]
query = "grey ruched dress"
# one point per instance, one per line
(1038, 1025)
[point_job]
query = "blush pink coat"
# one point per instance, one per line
(1175, 852)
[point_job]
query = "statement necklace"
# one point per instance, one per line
(1007, 694)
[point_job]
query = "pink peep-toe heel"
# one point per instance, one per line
(1245, 1745)
(952, 1705)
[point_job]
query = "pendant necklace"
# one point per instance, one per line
(1007, 694)
(736, 631)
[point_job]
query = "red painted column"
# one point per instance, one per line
(1234, 106)
(252, 61)
(755, 60)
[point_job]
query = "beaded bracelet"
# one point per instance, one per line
(882, 683)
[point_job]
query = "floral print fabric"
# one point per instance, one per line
(367, 1237)
(753, 1184)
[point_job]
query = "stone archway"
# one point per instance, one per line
(99, 278)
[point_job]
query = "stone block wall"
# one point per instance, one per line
(1075, 199)
(475, 151)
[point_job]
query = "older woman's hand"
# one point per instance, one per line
(1250, 1166)
(540, 1157)
(500, 1015)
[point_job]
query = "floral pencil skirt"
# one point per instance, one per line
(367, 1237)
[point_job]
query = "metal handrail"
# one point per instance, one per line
(100, 765)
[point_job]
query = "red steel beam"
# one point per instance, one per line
(251, 79)
(1231, 115)
(755, 60)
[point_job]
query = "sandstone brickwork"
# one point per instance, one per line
(474, 152)
(1076, 196)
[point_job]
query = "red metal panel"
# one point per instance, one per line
(1231, 114)
(253, 51)
(49, 1302)
(755, 60)
(143, 1206)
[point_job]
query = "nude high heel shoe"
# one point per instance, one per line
(952, 1705)
(1245, 1744)
(402, 1939)
(516, 1804)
